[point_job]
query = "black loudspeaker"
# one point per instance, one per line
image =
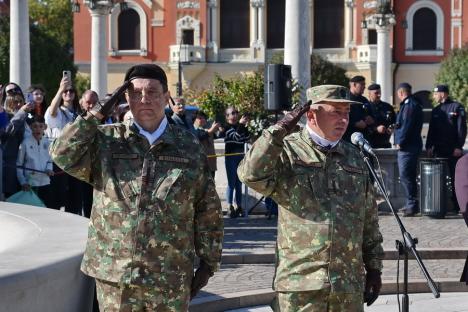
(278, 87)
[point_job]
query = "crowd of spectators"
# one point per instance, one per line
(28, 124)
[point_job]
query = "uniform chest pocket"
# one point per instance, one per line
(168, 183)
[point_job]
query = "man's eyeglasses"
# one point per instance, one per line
(138, 95)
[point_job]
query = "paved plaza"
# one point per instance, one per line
(248, 263)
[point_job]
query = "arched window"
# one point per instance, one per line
(275, 23)
(235, 24)
(129, 30)
(328, 24)
(424, 30)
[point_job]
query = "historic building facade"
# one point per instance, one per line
(228, 37)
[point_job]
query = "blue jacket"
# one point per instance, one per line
(409, 124)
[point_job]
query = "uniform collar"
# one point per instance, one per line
(338, 147)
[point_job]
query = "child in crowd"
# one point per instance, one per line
(34, 165)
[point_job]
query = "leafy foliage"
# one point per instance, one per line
(51, 24)
(54, 18)
(454, 73)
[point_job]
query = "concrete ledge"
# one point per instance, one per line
(39, 270)
(426, 254)
(216, 303)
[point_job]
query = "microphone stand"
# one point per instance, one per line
(404, 247)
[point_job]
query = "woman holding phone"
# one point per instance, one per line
(13, 114)
(63, 109)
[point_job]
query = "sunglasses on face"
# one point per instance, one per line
(13, 91)
(233, 113)
(69, 91)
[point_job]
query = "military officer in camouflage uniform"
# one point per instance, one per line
(155, 203)
(329, 248)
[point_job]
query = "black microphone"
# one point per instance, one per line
(358, 139)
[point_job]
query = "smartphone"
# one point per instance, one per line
(67, 73)
(29, 98)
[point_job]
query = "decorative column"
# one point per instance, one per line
(312, 24)
(384, 62)
(257, 30)
(213, 46)
(349, 23)
(99, 12)
(20, 59)
(297, 42)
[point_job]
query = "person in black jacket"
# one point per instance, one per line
(447, 131)
(235, 135)
(360, 119)
(383, 115)
(408, 141)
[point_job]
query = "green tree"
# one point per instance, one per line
(454, 72)
(50, 43)
(54, 18)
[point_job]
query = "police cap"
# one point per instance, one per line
(404, 85)
(374, 86)
(441, 88)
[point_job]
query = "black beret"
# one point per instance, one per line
(374, 86)
(404, 85)
(357, 79)
(148, 71)
(441, 88)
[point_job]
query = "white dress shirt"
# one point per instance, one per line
(319, 140)
(153, 136)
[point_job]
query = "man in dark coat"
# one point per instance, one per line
(359, 117)
(447, 131)
(409, 144)
(384, 117)
(461, 188)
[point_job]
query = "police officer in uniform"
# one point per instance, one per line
(359, 116)
(155, 203)
(447, 131)
(408, 141)
(383, 115)
(328, 232)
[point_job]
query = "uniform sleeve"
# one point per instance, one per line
(208, 221)
(430, 132)
(72, 150)
(461, 127)
(20, 161)
(372, 250)
(261, 164)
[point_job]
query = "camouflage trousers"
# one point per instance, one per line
(318, 301)
(113, 297)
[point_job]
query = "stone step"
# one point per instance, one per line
(237, 286)
(269, 257)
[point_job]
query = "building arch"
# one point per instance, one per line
(114, 31)
(424, 10)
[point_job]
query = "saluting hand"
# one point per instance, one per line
(290, 120)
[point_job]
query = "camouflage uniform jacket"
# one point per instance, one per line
(328, 225)
(154, 206)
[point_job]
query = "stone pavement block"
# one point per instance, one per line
(448, 302)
